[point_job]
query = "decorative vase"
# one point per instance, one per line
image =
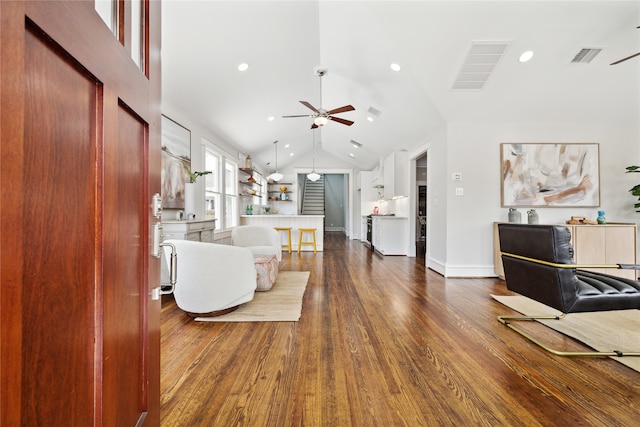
(601, 219)
(190, 200)
(247, 163)
(514, 216)
(533, 216)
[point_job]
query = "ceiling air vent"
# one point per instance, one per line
(480, 62)
(586, 55)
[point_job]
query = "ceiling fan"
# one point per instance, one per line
(320, 115)
(628, 57)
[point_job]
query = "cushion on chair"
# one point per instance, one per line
(565, 289)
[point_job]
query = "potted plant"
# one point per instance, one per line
(193, 176)
(636, 189)
(190, 191)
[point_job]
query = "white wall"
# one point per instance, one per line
(473, 149)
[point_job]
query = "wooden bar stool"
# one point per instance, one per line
(312, 242)
(288, 230)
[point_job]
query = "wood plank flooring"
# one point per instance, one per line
(382, 341)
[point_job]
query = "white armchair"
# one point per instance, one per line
(259, 239)
(212, 278)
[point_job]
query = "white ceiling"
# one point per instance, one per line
(282, 41)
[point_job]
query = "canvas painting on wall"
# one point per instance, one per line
(176, 151)
(550, 175)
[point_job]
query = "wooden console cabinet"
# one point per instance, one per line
(196, 230)
(613, 243)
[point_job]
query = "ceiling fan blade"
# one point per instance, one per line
(341, 109)
(309, 106)
(302, 115)
(314, 126)
(624, 59)
(339, 120)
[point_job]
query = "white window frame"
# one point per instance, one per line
(231, 215)
(213, 191)
(227, 211)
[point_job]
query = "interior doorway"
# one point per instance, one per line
(421, 206)
(335, 190)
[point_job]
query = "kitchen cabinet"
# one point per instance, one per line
(613, 243)
(196, 230)
(390, 235)
(396, 175)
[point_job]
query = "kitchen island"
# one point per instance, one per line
(293, 221)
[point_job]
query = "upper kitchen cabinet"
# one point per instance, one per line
(396, 175)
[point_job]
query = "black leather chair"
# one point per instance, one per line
(538, 263)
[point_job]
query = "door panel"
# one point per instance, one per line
(58, 225)
(124, 278)
(79, 159)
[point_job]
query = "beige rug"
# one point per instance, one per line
(600, 330)
(282, 303)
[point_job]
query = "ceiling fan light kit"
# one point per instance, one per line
(321, 116)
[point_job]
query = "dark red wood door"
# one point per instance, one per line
(79, 146)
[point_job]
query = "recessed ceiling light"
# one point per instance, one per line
(396, 67)
(290, 154)
(270, 118)
(287, 146)
(526, 56)
(352, 155)
(355, 144)
(370, 118)
(243, 67)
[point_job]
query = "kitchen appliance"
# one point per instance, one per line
(370, 231)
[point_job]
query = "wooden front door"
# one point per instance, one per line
(79, 162)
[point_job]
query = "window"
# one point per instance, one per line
(231, 194)
(221, 187)
(213, 194)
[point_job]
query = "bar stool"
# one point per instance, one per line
(306, 242)
(288, 230)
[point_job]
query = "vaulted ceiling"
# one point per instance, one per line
(283, 41)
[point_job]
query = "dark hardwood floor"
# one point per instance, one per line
(382, 341)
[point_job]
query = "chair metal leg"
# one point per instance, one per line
(506, 320)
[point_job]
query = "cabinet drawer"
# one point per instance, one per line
(197, 226)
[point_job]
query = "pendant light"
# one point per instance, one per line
(313, 176)
(276, 176)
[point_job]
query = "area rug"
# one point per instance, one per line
(600, 330)
(282, 303)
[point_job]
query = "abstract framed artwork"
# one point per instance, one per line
(176, 151)
(550, 174)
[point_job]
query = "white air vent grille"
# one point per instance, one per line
(480, 62)
(586, 55)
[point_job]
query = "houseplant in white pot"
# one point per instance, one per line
(190, 195)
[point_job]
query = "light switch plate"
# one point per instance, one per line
(459, 191)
